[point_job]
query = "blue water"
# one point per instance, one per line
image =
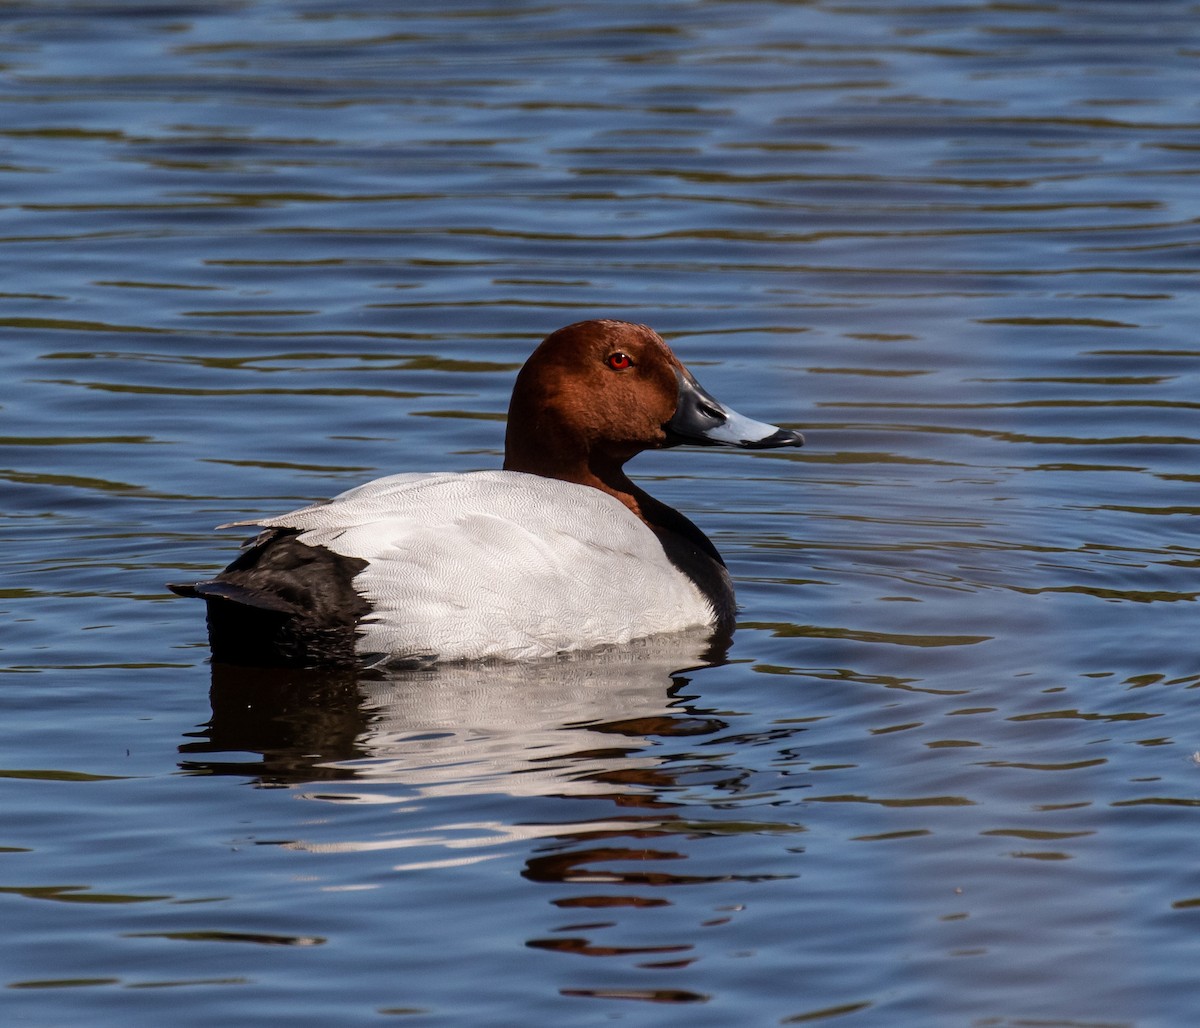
(255, 252)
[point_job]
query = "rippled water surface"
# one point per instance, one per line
(257, 251)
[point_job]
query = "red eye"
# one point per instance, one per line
(619, 361)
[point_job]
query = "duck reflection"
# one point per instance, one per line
(580, 724)
(279, 726)
(564, 765)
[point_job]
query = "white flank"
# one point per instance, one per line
(499, 564)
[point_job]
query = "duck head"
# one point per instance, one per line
(596, 393)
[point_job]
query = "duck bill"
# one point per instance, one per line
(701, 420)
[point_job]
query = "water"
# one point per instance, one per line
(257, 252)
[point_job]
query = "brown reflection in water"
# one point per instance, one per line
(648, 995)
(661, 726)
(76, 894)
(581, 947)
(598, 902)
(257, 938)
(567, 867)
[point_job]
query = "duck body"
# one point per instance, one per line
(557, 552)
(487, 564)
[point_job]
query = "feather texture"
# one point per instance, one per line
(498, 564)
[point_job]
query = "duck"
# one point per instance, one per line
(556, 551)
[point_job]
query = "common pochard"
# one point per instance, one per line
(558, 551)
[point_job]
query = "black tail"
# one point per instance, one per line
(283, 603)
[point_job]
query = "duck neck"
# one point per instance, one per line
(607, 475)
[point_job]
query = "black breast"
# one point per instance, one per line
(693, 553)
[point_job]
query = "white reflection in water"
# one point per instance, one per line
(581, 725)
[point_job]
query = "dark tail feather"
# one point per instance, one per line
(283, 602)
(247, 597)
